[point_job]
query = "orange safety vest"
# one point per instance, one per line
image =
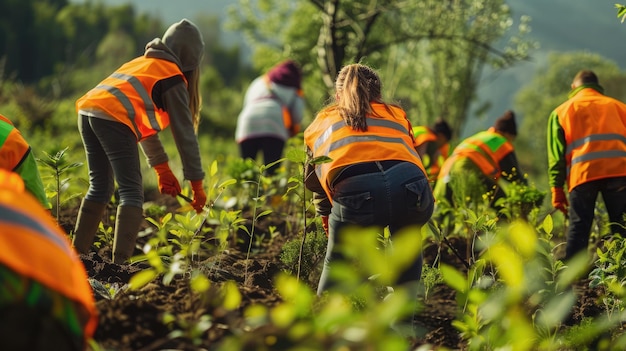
(486, 150)
(34, 246)
(596, 140)
(13, 147)
(126, 95)
(388, 137)
(423, 135)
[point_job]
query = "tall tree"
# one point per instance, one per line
(432, 51)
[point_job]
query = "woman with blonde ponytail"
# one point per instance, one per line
(140, 99)
(374, 178)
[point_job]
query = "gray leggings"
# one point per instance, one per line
(111, 150)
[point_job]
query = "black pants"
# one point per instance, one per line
(271, 147)
(581, 211)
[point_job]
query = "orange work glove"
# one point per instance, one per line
(559, 201)
(168, 184)
(325, 224)
(199, 196)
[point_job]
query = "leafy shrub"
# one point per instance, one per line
(308, 256)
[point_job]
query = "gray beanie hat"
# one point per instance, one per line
(185, 41)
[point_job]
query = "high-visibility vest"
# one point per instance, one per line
(13, 147)
(34, 246)
(388, 137)
(423, 135)
(126, 95)
(486, 150)
(595, 135)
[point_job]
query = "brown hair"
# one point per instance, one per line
(506, 123)
(585, 77)
(356, 86)
(195, 99)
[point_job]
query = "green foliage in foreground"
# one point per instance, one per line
(514, 293)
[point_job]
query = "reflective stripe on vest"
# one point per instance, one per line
(16, 218)
(126, 95)
(371, 122)
(594, 126)
(125, 101)
(595, 154)
(423, 134)
(34, 246)
(387, 138)
(486, 150)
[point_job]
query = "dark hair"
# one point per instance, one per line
(356, 86)
(586, 77)
(506, 123)
(442, 127)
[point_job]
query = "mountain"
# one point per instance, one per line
(558, 25)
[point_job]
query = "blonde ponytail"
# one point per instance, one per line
(356, 87)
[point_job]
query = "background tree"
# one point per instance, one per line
(621, 12)
(548, 89)
(29, 40)
(53, 51)
(430, 53)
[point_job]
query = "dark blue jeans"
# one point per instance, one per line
(582, 201)
(398, 197)
(111, 151)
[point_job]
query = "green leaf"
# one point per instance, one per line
(319, 160)
(232, 296)
(199, 283)
(453, 278)
(140, 279)
(228, 182)
(296, 155)
(213, 170)
(548, 224)
(264, 213)
(282, 315)
(621, 12)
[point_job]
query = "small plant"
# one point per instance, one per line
(431, 277)
(350, 316)
(245, 172)
(522, 201)
(609, 275)
(188, 329)
(104, 236)
(57, 163)
(155, 211)
(258, 199)
(309, 258)
(108, 291)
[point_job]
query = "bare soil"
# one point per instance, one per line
(133, 320)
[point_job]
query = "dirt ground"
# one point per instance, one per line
(134, 320)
